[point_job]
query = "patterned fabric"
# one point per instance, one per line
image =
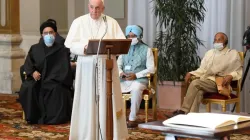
(13, 127)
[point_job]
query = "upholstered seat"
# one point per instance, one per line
(148, 93)
(216, 98)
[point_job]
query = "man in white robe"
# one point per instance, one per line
(133, 69)
(84, 124)
(220, 61)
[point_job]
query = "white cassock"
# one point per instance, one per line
(84, 115)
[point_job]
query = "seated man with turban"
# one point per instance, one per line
(133, 68)
(45, 95)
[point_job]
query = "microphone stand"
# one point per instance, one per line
(97, 94)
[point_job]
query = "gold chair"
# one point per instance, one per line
(150, 92)
(25, 77)
(216, 98)
(23, 115)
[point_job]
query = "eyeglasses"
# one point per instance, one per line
(49, 32)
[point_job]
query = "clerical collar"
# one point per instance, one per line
(99, 19)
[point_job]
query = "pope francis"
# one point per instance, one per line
(84, 120)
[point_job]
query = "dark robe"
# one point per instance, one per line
(47, 101)
(59, 39)
(245, 93)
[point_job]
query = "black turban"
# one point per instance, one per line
(47, 24)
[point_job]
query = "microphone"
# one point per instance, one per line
(106, 25)
(106, 29)
(104, 18)
(96, 68)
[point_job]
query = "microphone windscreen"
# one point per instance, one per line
(104, 19)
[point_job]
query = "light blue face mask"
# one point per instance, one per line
(49, 40)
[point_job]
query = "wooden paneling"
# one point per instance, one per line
(12, 23)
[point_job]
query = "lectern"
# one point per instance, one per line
(109, 47)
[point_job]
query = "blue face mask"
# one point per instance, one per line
(49, 40)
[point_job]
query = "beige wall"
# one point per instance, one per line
(80, 7)
(124, 21)
(64, 12)
(29, 17)
(114, 8)
(55, 9)
(34, 12)
(118, 10)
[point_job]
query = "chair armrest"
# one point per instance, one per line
(193, 77)
(25, 75)
(150, 77)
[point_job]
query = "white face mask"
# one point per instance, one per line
(134, 41)
(218, 46)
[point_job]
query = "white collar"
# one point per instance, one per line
(96, 20)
